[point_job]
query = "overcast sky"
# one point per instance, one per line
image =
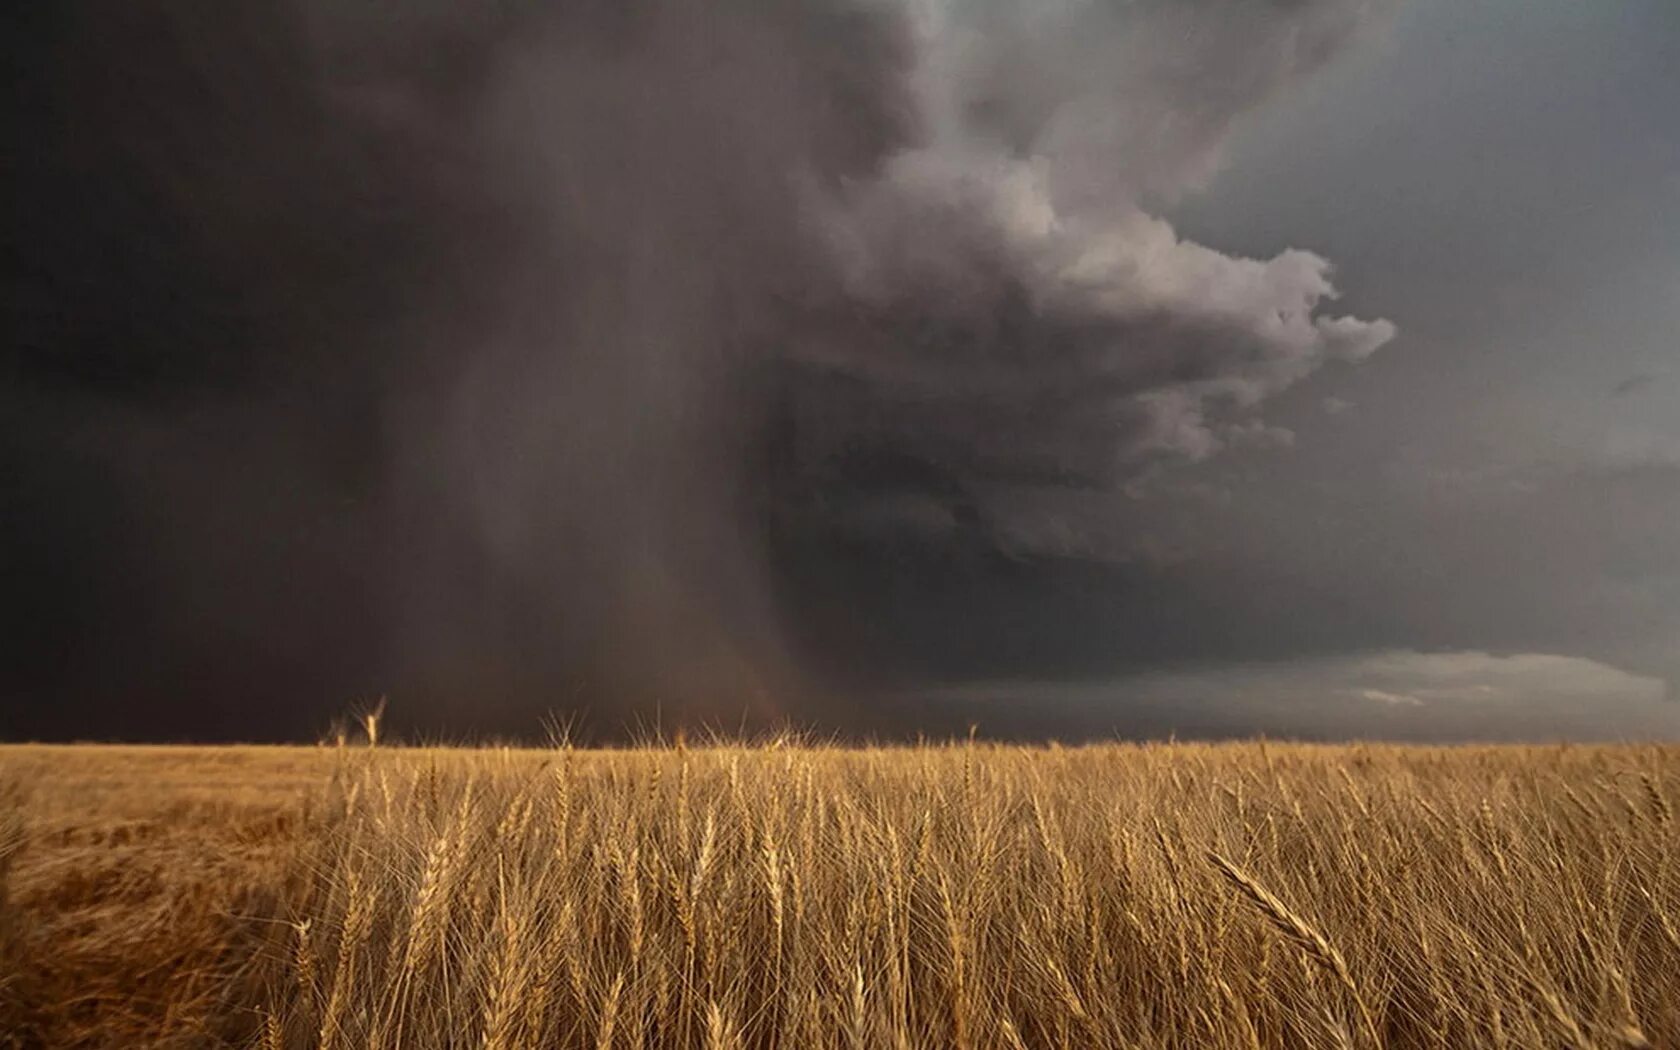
(1198, 366)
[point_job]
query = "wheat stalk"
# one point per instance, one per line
(1298, 931)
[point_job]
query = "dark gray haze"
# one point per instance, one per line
(877, 365)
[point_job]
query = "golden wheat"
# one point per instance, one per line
(1143, 896)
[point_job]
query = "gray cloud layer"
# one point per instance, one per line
(1391, 695)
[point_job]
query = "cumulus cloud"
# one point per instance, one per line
(1398, 694)
(1018, 321)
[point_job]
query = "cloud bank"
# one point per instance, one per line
(1391, 695)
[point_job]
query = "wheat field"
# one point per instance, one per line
(791, 895)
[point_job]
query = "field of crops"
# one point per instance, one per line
(781, 895)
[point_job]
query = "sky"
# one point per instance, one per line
(1072, 368)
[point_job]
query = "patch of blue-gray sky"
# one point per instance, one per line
(1501, 177)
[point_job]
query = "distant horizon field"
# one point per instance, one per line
(793, 893)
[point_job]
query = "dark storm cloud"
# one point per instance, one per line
(503, 356)
(395, 346)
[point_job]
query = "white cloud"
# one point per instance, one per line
(1381, 696)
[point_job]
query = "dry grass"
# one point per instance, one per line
(967, 896)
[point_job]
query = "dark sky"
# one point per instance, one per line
(1209, 366)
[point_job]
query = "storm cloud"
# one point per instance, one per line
(665, 361)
